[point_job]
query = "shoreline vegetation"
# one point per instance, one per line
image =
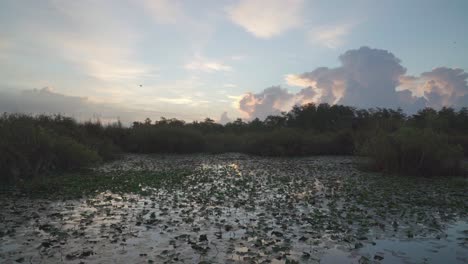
(428, 143)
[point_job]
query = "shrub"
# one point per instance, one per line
(28, 149)
(297, 142)
(413, 151)
(71, 155)
(279, 142)
(150, 139)
(340, 143)
(225, 142)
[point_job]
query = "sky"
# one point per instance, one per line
(128, 60)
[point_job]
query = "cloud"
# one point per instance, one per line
(91, 39)
(181, 100)
(366, 78)
(185, 100)
(198, 63)
(238, 57)
(267, 18)
(409, 102)
(330, 36)
(109, 56)
(298, 80)
(4, 45)
(165, 11)
(224, 119)
(48, 101)
(271, 101)
(440, 87)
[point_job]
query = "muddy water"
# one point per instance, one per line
(236, 209)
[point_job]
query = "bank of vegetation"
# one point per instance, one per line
(429, 142)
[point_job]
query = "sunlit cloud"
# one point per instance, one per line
(96, 41)
(440, 87)
(330, 36)
(235, 100)
(102, 59)
(267, 18)
(297, 80)
(271, 101)
(182, 100)
(366, 78)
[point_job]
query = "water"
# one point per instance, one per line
(237, 208)
(452, 248)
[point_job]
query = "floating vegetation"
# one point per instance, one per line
(233, 208)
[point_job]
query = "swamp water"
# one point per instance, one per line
(235, 208)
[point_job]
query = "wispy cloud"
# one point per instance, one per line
(229, 85)
(48, 101)
(165, 11)
(3, 47)
(199, 63)
(238, 57)
(180, 100)
(100, 58)
(267, 18)
(99, 43)
(330, 36)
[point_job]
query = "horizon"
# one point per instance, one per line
(229, 59)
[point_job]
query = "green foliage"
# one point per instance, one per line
(151, 139)
(224, 142)
(413, 151)
(297, 142)
(71, 155)
(416, 144)
(26, 150)
(33, 146)
(279, 142)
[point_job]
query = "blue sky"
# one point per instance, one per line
(193, 59)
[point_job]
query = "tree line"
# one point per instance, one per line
(429, 142)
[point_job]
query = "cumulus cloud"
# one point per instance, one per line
(270, 101)
(440, 87)
(48, 101)
(366, 78)
(267, 18)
